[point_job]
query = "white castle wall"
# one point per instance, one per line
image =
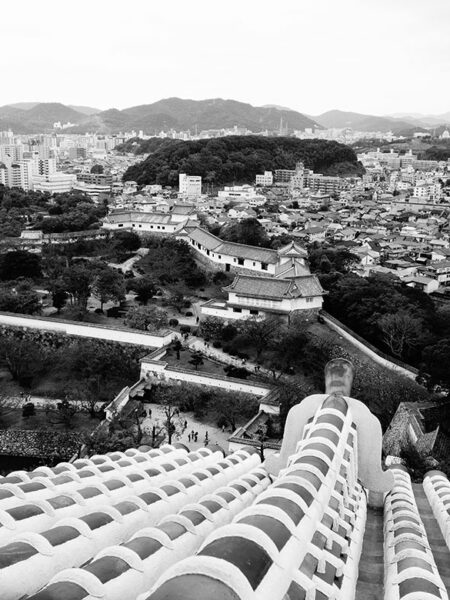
(126, 336)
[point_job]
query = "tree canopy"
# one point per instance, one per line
(238, 159)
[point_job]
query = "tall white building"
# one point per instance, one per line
(11, 152)
(190, 186)
(44, 166)
(17, 174)
(266, 179)
(54, 183)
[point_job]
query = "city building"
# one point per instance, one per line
(190, 186)
(264, 180)
(54, 183)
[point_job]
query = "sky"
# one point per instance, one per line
(369, 56)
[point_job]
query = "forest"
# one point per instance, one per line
(238, 159)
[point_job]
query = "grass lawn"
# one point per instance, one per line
(208, 366)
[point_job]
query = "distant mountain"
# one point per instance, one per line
(85, 110)
(340, 119)
(197, 115)
(277, 106)
(171, 113)
(39, 118)
(23, 105)
(424, 120)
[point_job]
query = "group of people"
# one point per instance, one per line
(193, 437)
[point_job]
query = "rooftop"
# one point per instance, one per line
(319, 520)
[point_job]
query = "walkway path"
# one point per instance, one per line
(215, 435)
(437, 544)
(371, 564)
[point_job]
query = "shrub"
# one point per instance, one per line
(242, 355)
(173, 322)
(238, 372)
(217, 344)
(189, 314)
(226, 348)
(185, 329)
(28, 409)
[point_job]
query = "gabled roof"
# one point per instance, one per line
(292, 249)
(273, 288)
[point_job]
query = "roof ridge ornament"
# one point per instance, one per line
(339, 375)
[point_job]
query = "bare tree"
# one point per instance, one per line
(401, 332)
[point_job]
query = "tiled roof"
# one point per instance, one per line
(177, 525)
(270, 287)
(138, 217)
(211, 242)
(262, 287)
(266, 255)
(206, 239)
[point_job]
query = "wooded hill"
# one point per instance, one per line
(238, 159)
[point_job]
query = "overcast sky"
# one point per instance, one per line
(371, 56)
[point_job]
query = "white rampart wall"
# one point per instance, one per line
(368, 352)
(161, 370)
(126, 336)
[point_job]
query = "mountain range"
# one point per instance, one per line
(182, 115)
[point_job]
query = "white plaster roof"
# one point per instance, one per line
(172, 524)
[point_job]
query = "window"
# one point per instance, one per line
(254, 312)
(309, 299)
(238, 310)
(220, 256)
(264, 266)
(120, 225)
(240, 261)
(254, 264)
(140, 225)
(207, 252)
(162, 227)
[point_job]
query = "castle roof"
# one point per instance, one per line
(274, 288)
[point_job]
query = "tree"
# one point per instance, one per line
(77, 282)
(261, 333)
(177, 301)
(144, 288)
(23, 359)
(196, 359)
(63, 414)
(146, 318)
(248, 231)
(177, 346)
(436, 361)
(172, 422)
(20, 299)
(97, 169)
(237, 407)
(108, 285)
(85, 395)
(125, 242)
(211, 328)
(19, 263)
(59, 295)
(401, 332)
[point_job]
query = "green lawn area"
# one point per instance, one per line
(208, 366)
